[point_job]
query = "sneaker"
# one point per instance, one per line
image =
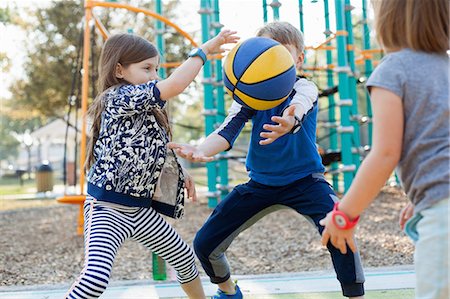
(222, 295)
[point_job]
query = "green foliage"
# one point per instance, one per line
(52, 50)
(54, 34)
(5, 15)
(9, 145)
(4, 62)
(5, 18)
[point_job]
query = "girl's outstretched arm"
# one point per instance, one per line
(375, 169)
(177, 82)
(204, 152)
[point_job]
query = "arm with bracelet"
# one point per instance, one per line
(373, 172)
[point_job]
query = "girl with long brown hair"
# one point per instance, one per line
(132, 175)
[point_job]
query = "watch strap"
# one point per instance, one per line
(341, 220)
(198, 52)
(297, 125)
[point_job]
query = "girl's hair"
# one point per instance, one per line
(284, 33)
(421, 25)
(125, 49)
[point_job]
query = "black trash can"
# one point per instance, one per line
(44, 178)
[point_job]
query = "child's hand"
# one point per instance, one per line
(189, 152)
(405, 214)
(190, 186)
(340, 238)
(213, 46)
(285, 124)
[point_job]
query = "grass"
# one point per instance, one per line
(10, 186)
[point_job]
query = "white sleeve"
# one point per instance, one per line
(306, 94)
(232, 112)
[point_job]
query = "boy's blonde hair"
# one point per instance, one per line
(421, 25)
(284, 33)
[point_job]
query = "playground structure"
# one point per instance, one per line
(344, 119)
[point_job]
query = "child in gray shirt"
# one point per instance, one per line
(410, 102)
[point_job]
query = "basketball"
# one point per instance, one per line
(259, 73)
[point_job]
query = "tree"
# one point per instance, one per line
(5, 18)
(51, 53)
(5, 15)
(53, 47)
(8, 144)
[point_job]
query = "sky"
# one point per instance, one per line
(245, 16)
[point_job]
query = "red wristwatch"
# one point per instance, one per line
(341, 220)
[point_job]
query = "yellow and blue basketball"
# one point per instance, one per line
(259, 73)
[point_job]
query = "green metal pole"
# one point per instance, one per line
(159, 39)
(331, 101)
(300, 12)
(159, 267)
(345, 102)
(302, 25)
(210, 109)
(223, 163)
(264, 3)
(354, 118)
(275, 9)
(368, 67)
(158, 264)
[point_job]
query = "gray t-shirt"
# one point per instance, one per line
(421, 80)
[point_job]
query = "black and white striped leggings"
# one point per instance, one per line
(107, 226)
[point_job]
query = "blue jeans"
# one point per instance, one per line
(430, 231)
(311, 197)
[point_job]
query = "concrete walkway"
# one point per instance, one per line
(400, 277)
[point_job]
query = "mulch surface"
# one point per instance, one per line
(39, 245)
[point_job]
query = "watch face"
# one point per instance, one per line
(193, 52)
(297, 125)
(339, 220)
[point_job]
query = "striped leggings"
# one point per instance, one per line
(107, 226)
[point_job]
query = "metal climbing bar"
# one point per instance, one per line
(352, 81)
(368, 66)
(209, 105)
(331, 100)
(344, 94)
(300, 15)
(160, 44)
(220, 100)
(275, 4)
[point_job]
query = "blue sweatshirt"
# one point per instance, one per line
(290, 157)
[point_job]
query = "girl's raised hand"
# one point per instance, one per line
(213, 46)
